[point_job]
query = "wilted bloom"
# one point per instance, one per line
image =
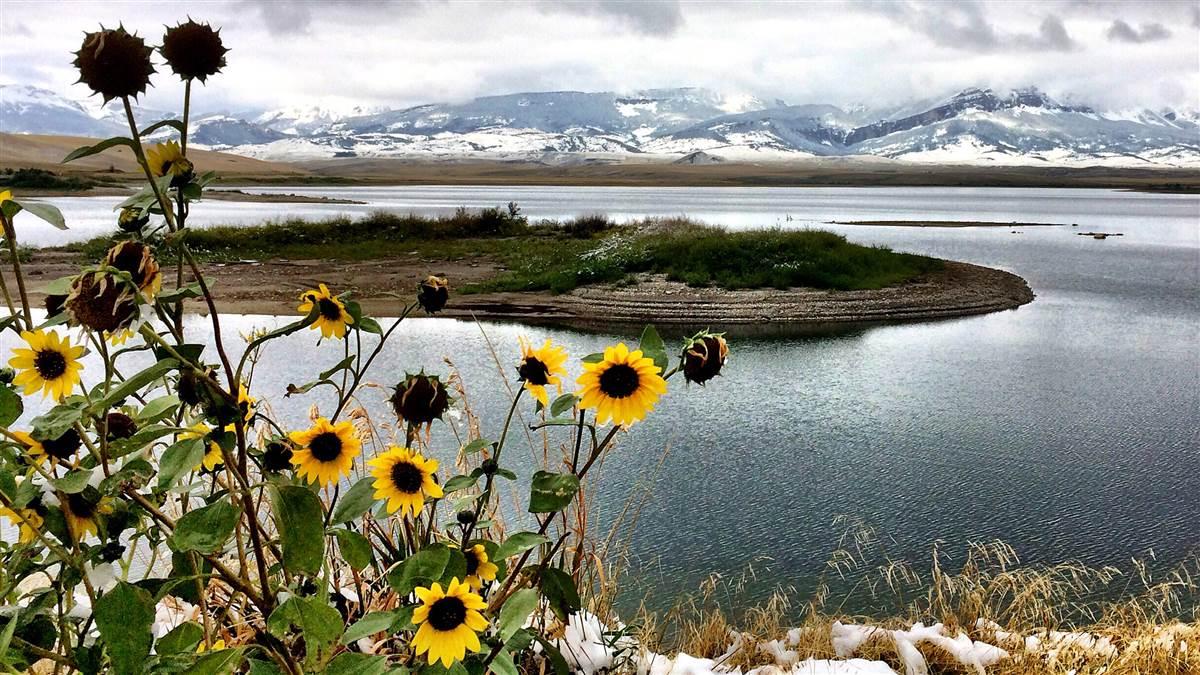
(60, 450)
(114, 63)
(623, 386)
(420, 399)
(433, 293)
(276, 457)
(138, 260)
(194, 50)
(132, 219)
(50, 364)
(101, 301)
(55, 304)
(167, 159)
(704, 356)
(120, 425)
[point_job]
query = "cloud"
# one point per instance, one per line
(648, 17)
(966, 26)
(1121, 31)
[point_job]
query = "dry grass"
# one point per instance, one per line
(1150, 622)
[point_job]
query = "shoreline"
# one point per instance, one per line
(273, 287)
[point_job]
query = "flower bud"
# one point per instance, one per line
(420, 399)
(114, 63)
(433, 293)
(7, 375)
(703, 357)
(112, 552)
(465, 517)
(490, 467)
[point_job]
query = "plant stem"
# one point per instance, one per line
(10, 235)
(163, 202)
(486, 495)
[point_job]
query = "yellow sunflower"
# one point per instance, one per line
(27, 520)
(623, 386)
(479, 569)
(5, 196)
(83, 513)
(246, 403)
(404, 478)
(541, 367)
(31, 445)
(59, 450)
(448, 622)
(167, 158)
(50, 364)
(213, 457)
(325, 451)
(332, 317)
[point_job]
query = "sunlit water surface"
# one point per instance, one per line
(1069, 428)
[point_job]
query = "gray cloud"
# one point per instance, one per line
(1121, 31)
(649, 17)
(966, 26)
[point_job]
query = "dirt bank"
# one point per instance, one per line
(272, 287)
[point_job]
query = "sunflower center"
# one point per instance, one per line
(50, 364)
(81, 506)
(447, 614)
(325, 447)
(534, 372)
(407, 477)
(329, 309)
(619, 381)
(472, 562)
(63, 447)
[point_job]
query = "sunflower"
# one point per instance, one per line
(246, 403)
(167, 159)
(433, 293)
(541, 367)
(404, 478)
(137, 259)
(325, 451)
(420, 399)
(479, 569)
(448, 622)
(623, 386)
(114, 63)
(83, 511)
(50, 364)
(704, 356)
(27, 520)
(332, 317)
(213, 457)
(5, 196)
(194, 50)
(59, 450)
(32, 446)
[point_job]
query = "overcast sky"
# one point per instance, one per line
(297, 52)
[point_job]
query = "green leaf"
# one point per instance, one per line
(136, 382)
(176, 294)
(356, 549)
(593, 358)
(515, 611)
(559, 589)
(558, 422)
(74, 482)
(179, 459)
(652, 346)
(183, 639)
(301, 528)
(562, 404)
(555, 656)
(47, 212)
(174, 124)
(136, 472)
(89, 150)
(475, 446)
(503, 664)
(60, 418)
(220, 662)
(420, 569)
(320, 624)
(372, 623)
(457, 483)
(124, 616)
(339, 366)
(157, 409)
(552, 492)
(205, 530)
(369, 325)
(7, 633)
(264, 668)
(351, 663)
(519, 543)
(11, 406)
(357, 500)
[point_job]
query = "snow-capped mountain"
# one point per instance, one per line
(1024, 126)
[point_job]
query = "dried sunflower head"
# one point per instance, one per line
(194, 50)
(114, 63)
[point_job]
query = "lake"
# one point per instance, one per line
(1069, 427)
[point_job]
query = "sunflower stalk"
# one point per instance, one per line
(10, 238)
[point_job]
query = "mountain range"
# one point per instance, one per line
(975, 126)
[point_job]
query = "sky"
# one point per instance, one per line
(285, 53)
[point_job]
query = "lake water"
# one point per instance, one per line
(1069, 427)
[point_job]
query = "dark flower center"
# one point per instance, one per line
(472, 561)
(329, 309)
(447, 614)
(166, 167)
(277, 457)
(407, 477)
(325, 447)
(50, 364)
(534, 372)
(619, 381)
(81, 506)
(63, 447)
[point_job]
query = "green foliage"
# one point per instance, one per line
(300, 516)
(552, 492)
(205, 530)
(124, 616)
(43, 180)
